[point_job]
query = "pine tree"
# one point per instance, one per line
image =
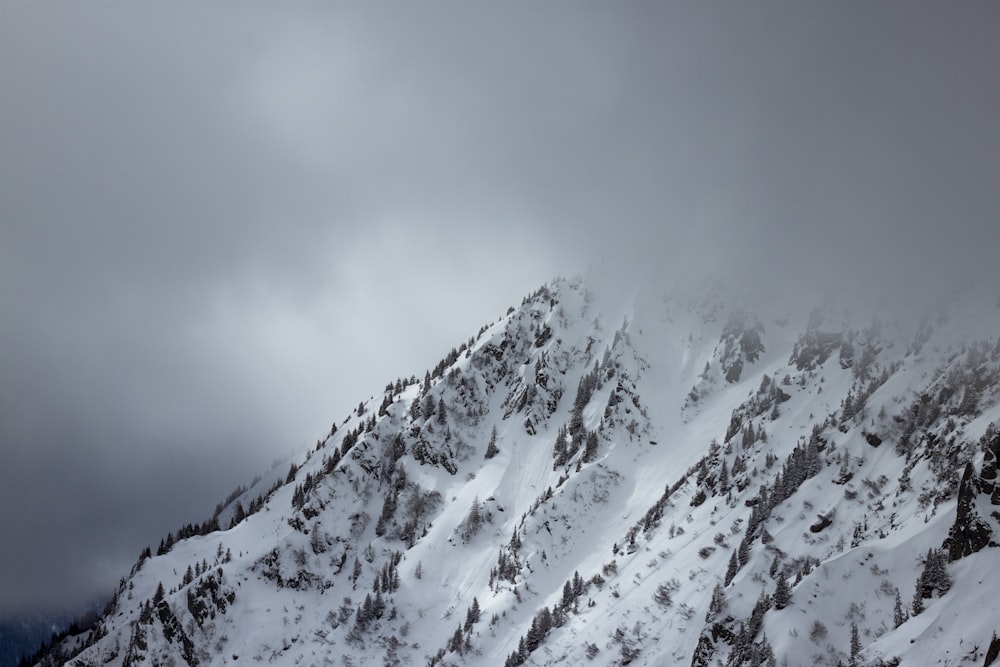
(455, 645)
(560, 451)
(718, 602)
(917, 606)
(544, 621)
(472, 615)
(734, 567)
(590, 450)
(782, 593)
(744, 550)
(356, 572)
(515, 541)
(898, 615)
(934, 576)
(567, 595)
(238, 514)
(473, 520)
(534, 636)
(855, 645)
(492, 449)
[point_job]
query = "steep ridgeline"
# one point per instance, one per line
(654, 480)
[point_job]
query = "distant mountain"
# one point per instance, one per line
(22, 635)
(607, 476)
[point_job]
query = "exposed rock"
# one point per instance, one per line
(970, 533)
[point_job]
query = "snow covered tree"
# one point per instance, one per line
(492, 449)
(718, 602)
(917, 606)
(898, 615)
(782, 593)
(567, 595)
(734, 567)
(935, 575)
(473, 520)
(590, 452)
(472, 615)
(855, 645)
(456, 641)
(560, 450)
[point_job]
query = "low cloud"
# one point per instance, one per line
(208, 253)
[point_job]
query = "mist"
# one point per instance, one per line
(220, 230)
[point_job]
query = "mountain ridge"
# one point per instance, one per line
(657, 479)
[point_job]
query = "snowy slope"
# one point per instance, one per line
(607, 476)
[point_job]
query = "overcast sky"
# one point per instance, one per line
(224, 224)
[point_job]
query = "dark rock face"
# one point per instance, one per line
(993, 652)
(970, 533)
(741, 343)
(988, 477)
(814, 348)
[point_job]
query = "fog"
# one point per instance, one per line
(220, 229)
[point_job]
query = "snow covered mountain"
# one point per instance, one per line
(603, 478)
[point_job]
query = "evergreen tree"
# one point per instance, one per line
(744, 549)
(492, 449)
(734, 567)
(472, 615)
(855, 645)
(917, 606)
(238, 514)
(718, 602)
(473, 521)
(544, 621)
(782, 593)
(560, 451)
(590, 452)
(934, 576)
(356, 572)
(534, 636)
(567, 595)
(898, 615)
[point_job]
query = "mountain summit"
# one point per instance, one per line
(599, 478)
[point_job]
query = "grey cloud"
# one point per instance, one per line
(219, 231)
